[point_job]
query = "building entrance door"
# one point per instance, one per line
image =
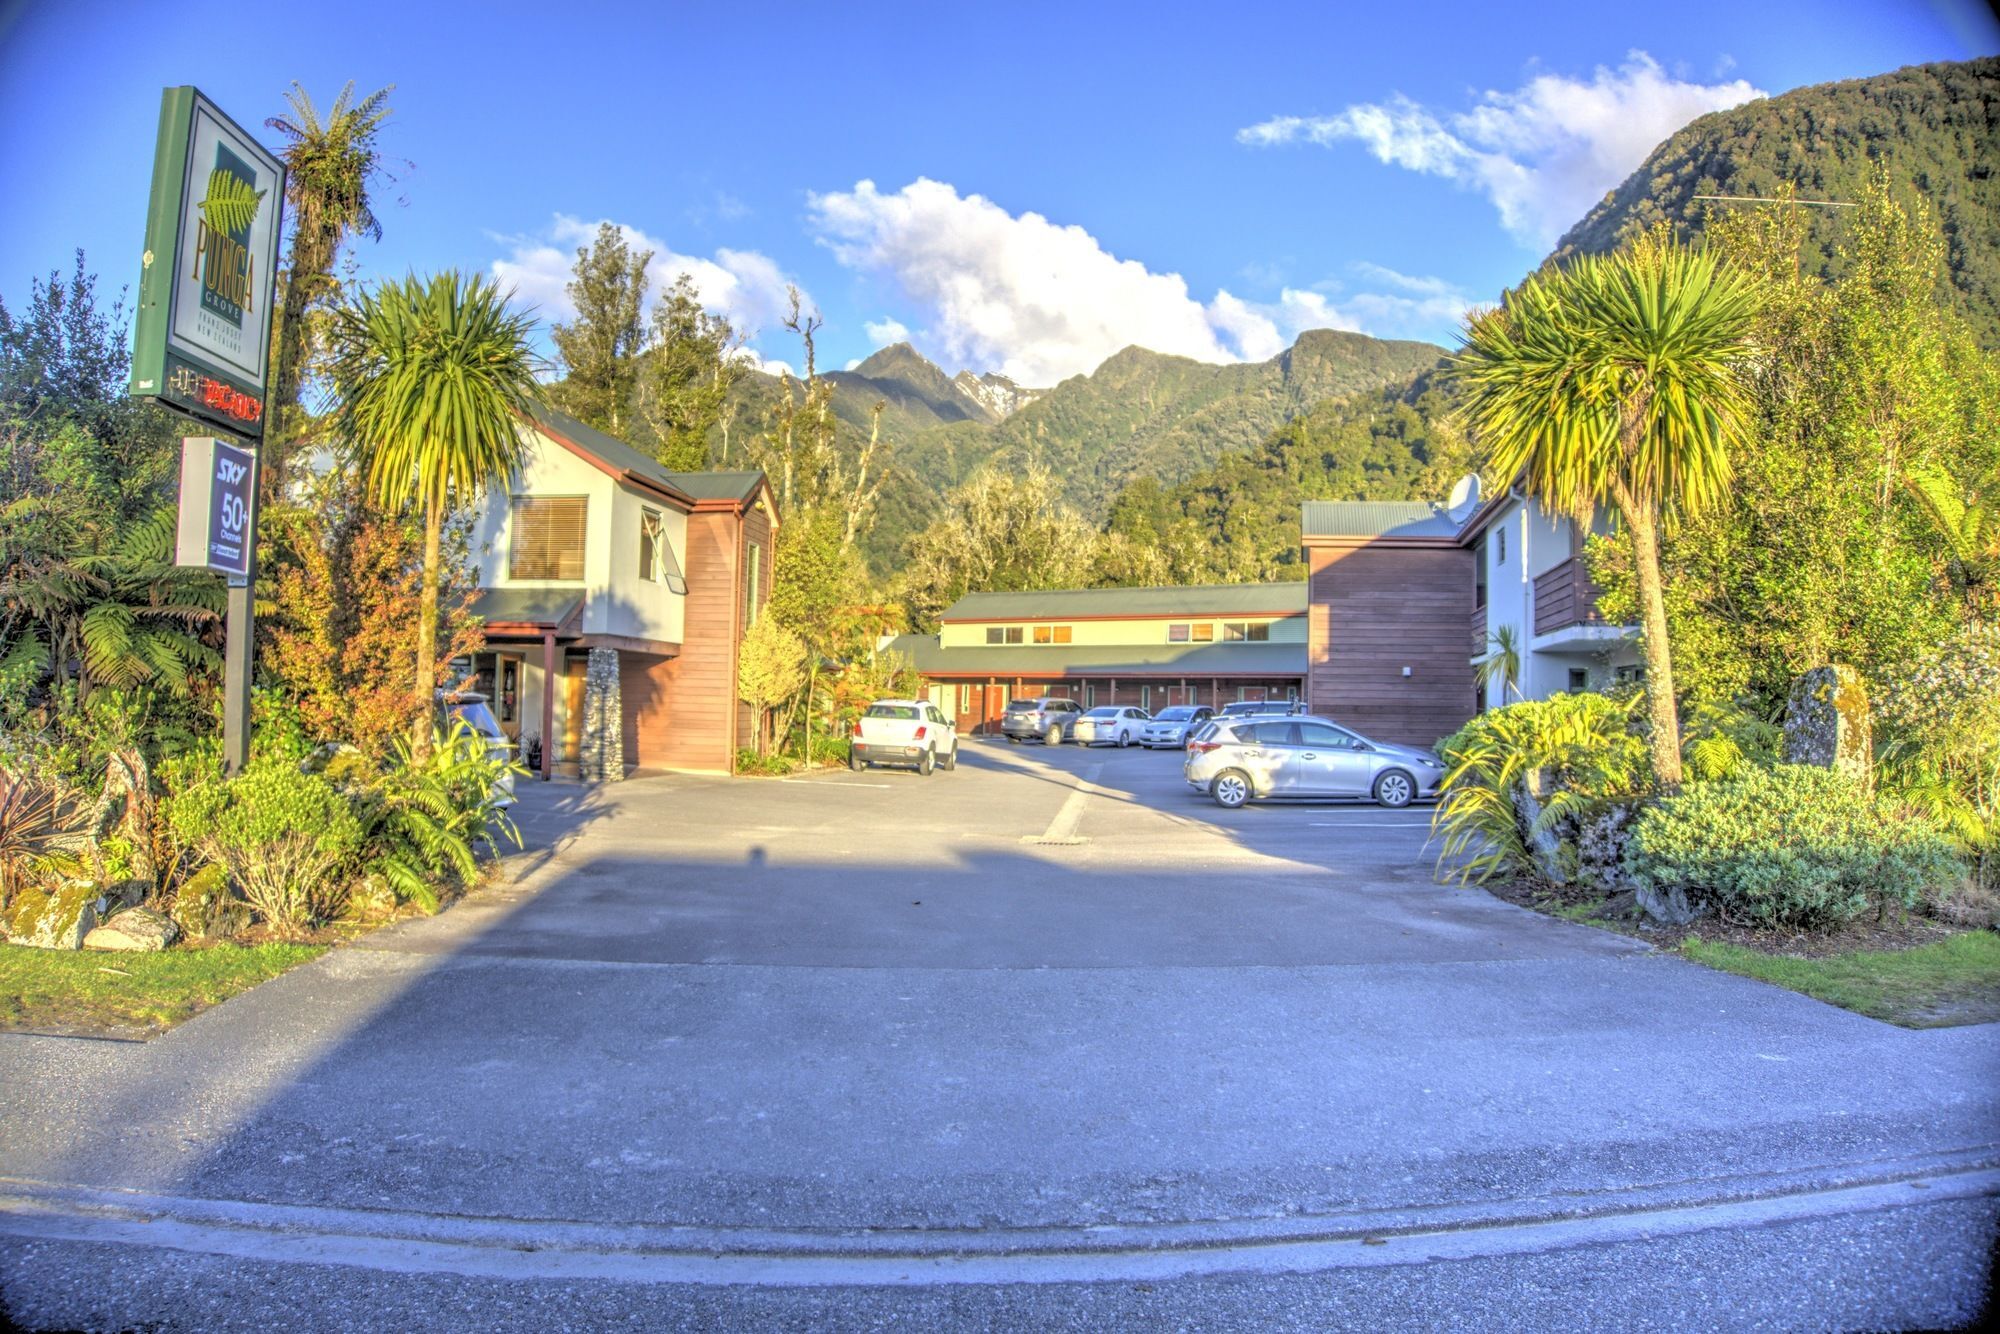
(575, 672)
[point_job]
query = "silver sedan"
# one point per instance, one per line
(1251, 758)
(1172, 726)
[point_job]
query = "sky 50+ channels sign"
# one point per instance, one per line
(203, 342)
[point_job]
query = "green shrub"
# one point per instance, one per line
(1789, 846)
(750, 762)
(287, 839)
(1514, 775)
(426, 823)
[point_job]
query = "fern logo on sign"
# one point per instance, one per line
(203, 342)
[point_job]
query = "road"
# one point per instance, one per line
(1047, 1039)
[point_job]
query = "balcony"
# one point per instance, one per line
(1565, 596)
(1479, 644)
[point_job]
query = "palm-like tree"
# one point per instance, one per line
(1617, 381)
(1501, 663)
(330, 164)
(433, 376)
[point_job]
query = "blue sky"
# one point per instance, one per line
(1021, 188)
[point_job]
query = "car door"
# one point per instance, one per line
(946, 731)
(1276, 756)
(1328, 762)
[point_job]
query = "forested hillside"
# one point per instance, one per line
(1936, 129)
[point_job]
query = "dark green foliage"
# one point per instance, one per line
(1935, 127)
(428, 821)
(1238, 519)
(287, 839)
(1790, 846)
(599, 349)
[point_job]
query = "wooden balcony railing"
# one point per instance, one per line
(1564, 595)
(1479, 644)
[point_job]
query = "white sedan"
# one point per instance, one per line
(1111, 725)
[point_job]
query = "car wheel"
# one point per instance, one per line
(1395, 789)
(1124, 739)
(927, 762)
(1052, 737)
(1013, 741)
(855, 762)
(1230, 789)
(950, 760)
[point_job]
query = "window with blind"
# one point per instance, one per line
(548, 533)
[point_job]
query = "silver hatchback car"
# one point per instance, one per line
(1236, 760)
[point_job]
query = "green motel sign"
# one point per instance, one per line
(203, 341)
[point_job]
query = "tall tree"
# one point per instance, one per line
(433, 376)
(690, 367)
(331, 164)
(1005, 530)
(1618, 381)
(600, 348)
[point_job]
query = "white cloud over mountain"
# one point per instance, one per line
(1039, 301)
(746, 287)
(1544, 153)
(886, 331)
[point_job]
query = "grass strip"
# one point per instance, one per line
(1953, 981)
(131, 994)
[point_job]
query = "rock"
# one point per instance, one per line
(134, 929)
(1668, 905)
(1827, 722)
(56, 919)
(205, 909)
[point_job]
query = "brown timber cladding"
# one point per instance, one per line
(1377, 610)
(679, 710)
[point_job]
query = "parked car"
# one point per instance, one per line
(1251, 758)
(1049, 718)
(1173, 725)
(472, 707)
(904, 734)
(1111, 725)
(1263, 708)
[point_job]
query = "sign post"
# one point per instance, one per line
(202, 347)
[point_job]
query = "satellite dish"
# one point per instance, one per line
(1464, 498)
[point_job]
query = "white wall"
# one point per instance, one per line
(619, 602)
(1537, 541)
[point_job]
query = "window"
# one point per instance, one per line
(1177, 634)
(1204, 632)
(1254, 631)
(546, 535)
(1322, 736)
(1579, 679)
(1500, 546)
(1276, 734)
(1062, 633)
(656, 555)
(753, 583)
(1003, 634)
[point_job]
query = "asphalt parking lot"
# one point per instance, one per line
(1050, 1004)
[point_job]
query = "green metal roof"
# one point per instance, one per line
(1376, 518)
(1284, 598)
(618, 454)
(527, 606)
(718, 485)
(1241, 658)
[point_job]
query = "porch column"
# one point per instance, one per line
(602, 754)
(549, 684)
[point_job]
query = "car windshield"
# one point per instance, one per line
(474, 711)
(1102, 713)
(893, 711)
(1180, 713)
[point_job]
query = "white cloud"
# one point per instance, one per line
(746, 287)
(1023, 295)
(1544, 153)
(884, 332)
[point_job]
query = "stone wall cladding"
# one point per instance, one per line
(601, 756)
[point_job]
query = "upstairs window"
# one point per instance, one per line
(1052, 634)
(1177, 634)
(1003, 634)
(1204, 632)
(547, 537)
(1254, 631)
(753, 587)
(656, 556)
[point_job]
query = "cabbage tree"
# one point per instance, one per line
(433, 376)
(1617, 382)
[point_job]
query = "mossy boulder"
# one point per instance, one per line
(133, 929)
(206, 908)
(57, 918)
